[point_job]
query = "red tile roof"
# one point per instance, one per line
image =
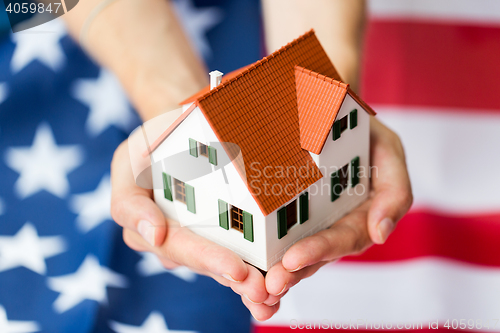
(319, 99)
(255, 109)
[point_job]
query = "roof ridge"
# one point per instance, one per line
(259, 63)
(321, 76)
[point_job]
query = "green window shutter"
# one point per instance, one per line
(223, 215)
(353, 117)
(193, 148)
(355, 171)
(304, 207)
(335, 186)
(212, 155)
(167, 186)
(190, 202)
(248, 226)
(282, 229)
(336, 131)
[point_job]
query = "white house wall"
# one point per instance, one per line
(209, 183)
(323, 212)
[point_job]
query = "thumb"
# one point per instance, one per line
(392, 196)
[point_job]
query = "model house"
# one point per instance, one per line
(266, 155)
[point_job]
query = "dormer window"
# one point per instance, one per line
(341, 125)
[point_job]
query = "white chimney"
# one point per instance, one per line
(215, 79)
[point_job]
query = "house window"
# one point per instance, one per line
(353, 118)
(185, 194)
(167, 186)
(287, 218)
(291, 214)
(212, 155)
(304, 207)
(180, 190)
(248, 226)
(223, 218)
(339, 180)
(240, 220)
(343, 177)
(355, 171)
(338, 127)
(343, 124)
(203, 149)
(193, 148)
(237, 218)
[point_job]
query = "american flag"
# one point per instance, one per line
(430, 70)
(63, 264)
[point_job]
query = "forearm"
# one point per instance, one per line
(142, 42)
(339, 25)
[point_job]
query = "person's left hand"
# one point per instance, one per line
(371, 222)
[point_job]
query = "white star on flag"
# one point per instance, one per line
(197, 22)
(89, 282)
(150, 265)
(44, 165)
(11, 326)
(28, 250)
(39, 43)
(155, 323)
(3, 92)
(93, 208)
(107, 101)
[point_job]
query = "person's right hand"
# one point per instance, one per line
(146, 229)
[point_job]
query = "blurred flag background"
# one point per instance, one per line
(431, 70)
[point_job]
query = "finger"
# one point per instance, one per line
(279, 280)
(273, 299)
(137, 243)
(253, 287)
(185, 248)
(347, 236)
(390, 183)
(260, 312)
(132, 206)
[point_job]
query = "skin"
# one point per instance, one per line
(157, 67)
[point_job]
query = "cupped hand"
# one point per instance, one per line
(372, 222)
(146, 229)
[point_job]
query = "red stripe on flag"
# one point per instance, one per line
(473, 239)
(430, 64)
(280, 329)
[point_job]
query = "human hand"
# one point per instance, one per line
(371, 222)
(146, 229)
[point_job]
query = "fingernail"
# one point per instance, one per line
(229, 277)
(282, 290)
(248, 298)
(384, 228)
(275, 303)
(260, 321)
(296, 269)
(147, 231)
